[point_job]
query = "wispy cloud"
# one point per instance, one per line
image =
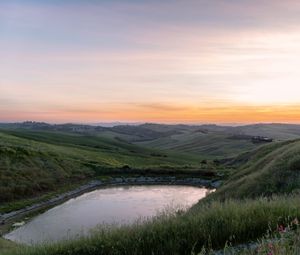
(149, 59)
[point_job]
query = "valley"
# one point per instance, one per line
(39, 163)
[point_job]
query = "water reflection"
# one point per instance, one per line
(115, 205)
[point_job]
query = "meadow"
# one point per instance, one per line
(33, 163)
(259, 201)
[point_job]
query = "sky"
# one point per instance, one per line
(171, 61)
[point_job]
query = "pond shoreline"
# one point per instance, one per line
(7, 219)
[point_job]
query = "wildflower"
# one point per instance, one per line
(259, 249)
(281, 229)
(295, 222)
(271, 246)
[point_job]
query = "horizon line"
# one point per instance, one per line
(136, 123)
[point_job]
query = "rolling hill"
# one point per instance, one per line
(205, 141)
(272, 169)
(260, 193)
(217, 141)
(38, 156)
(257, 199)
(33, 161)
(208, 144)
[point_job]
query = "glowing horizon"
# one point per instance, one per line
(140, 61)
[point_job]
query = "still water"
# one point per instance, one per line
(114, 205)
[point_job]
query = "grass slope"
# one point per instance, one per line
(276, 131)
(206, 141)
(273, 169)
(287, 243)
(6, 245)
(31, 161)
(216, 141)
(236, 213)
(209, 145)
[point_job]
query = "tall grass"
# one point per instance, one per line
(271, 170)
(211, 224)
(287, 243)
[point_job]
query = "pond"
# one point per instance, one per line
(107, 206)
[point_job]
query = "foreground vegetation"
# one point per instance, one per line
(6, 245)
(209, 225)
(284, 242)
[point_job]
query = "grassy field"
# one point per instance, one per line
(207, 141)
(18, 204)
(33, 162)
(211, 145)
(260, 197)
(273, 169)
(6, 245)
(213, 141)
(277, 131)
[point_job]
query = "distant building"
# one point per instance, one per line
(261, 139)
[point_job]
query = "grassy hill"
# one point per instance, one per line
(210, 141)
(34, 161)
(217, 141)
(6, 245)
(272, 169)
(276, 131)
(259, 195)
(236, 213)
(206, 141)
(209, 145)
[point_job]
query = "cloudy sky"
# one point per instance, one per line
(192, 61)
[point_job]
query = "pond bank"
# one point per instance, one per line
(6, 220)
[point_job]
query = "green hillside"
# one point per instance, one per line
(32, 161)
(6, 245)
(205, 141)
(210, 145)
(276, 131)
(272, 169)
(260, 194)
(216, 141)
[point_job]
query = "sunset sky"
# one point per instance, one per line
(172, 61)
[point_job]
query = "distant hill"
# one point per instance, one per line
(203, 140)
(276, 131)
(217, 141)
